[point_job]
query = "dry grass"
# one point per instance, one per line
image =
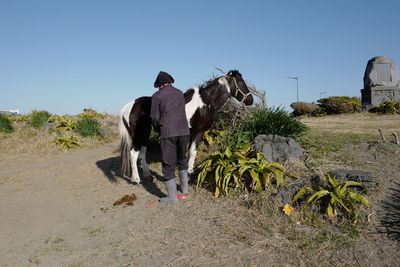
(319, 240)
(331, 137)
(27, 141)
(357, 123)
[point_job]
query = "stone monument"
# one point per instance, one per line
(381, 82)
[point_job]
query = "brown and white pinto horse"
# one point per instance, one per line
(202, 105)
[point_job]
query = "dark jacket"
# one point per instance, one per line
(168, 112)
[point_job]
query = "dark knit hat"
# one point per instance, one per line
(163, 78)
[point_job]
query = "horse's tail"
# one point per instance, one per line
(126, 140)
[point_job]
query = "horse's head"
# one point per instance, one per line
(239, 89)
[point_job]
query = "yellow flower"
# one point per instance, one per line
(287, 209)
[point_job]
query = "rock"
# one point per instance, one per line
(277, 148)
(363, 177)
(106, 131)
(50, 126)
(286, 194)
(110, 123)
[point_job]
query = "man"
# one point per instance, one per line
(169, 120)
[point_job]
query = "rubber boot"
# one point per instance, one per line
(171, 189)
(184, 180)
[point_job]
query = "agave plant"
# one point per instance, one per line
(67, 125)
(63, 123)
(22, 118)
(337, 196)
(54, 118)
(66, 142)
(212, 135)
(239, 167)
(90, 113)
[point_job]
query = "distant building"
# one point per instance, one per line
(13, 111)
(381, 82)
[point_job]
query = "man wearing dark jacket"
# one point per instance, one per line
(169, 120)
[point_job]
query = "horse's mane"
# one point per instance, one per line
(206, 85)
(214, 81)
(203, 88)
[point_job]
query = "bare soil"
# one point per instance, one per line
(57, 210)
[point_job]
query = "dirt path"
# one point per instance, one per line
(53, 210)
(58, 211)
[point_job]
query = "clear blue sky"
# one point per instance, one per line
(63, 56)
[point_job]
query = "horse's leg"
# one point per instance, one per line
(134, 158)
(143, 162)
(192, 156)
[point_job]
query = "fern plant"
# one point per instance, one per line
(239, 167)
(337, 197)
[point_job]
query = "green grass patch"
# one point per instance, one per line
(88, 127)
(5, 124)
(324, 144)
(39, 118)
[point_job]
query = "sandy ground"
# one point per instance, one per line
(58, 211)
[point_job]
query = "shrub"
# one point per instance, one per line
(336, 197)
(5, 124)
(239, 167)
(275, 121)
(39, 118)
(340, 104)
(304, 108)
(389, 107)
(87, 127)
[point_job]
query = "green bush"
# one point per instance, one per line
(5, 124)
(39, 118)
(153, 144)
(340, 104)
(87, 127)
(389, 107)
(275, 121)
(304, 108)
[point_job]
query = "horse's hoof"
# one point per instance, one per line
(136, 182)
